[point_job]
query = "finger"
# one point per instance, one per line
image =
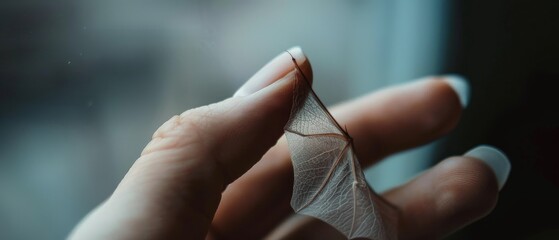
(305, 227)
(456, 192)
(174, 188)
(403, 116)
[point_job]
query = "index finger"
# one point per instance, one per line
(182, 172)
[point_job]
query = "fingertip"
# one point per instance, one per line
(297, 53)
(276, 69)
(466, 191)
(460, 86)
(302, 61)
(495, 159)
(449, 196)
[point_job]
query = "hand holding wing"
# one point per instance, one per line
(329, 183)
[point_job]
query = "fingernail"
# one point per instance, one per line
(274, 70)
(298, 54)
(495, 159)
(460, 86)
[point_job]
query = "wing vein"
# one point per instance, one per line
(328, 176)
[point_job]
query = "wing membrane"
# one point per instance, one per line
(329, 183)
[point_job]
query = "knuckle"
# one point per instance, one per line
(181, 131)
(196, 136)
(189, 123)
(166, 127)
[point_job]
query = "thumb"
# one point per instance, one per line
(174, 188)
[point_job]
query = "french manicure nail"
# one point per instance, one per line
(461, 86)
(298, 54)
(274, 70)
(495, 159)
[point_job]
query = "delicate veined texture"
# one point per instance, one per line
(329, 183)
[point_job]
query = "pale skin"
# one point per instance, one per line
(219, 171)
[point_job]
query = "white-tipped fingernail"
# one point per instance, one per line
(495, 159)
(298, 54)
(460, 86)
(274, 70)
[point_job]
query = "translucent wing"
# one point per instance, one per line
(329, 183)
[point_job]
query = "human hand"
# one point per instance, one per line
(213, 172)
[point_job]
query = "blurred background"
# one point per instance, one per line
(83, 85)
